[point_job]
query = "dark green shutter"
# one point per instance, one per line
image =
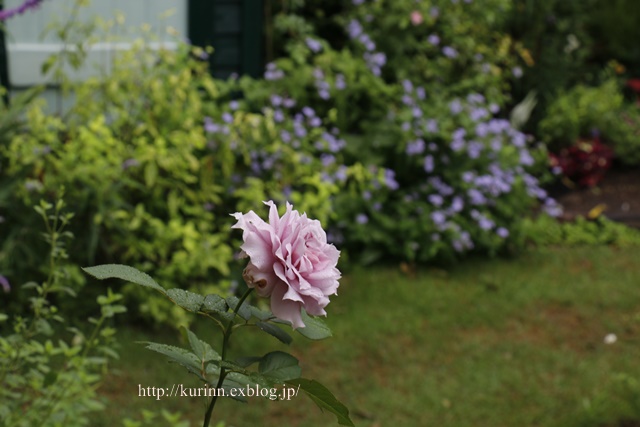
(234, 29)
(4, 63)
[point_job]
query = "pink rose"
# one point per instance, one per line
(416, 18)
(290, 261)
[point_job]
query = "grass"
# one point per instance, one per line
(515, 342)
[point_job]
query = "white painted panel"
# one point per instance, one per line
(28, 49)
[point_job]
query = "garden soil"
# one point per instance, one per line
(617, 197)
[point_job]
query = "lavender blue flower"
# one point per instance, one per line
(433, 39)
(475, 98)
(455, 106)
(362, 219)
(289, 103)
(327, 160)
(434, 12)
(407, 100)
(354, 28)
(276, 100)
(478, 114)
(390, 179)
(285, 136)
(341, 173)
(457, 145)
(457, 204)
(420, 93)
(449, 52)
(227, 117)
(4, 282)
(517, 72)
(278, 116)
(415, 147)
(11, 12)
(233, 105)
(340, 83)
(474, 148)
(407, 86)
(432, 126)
(272, 72)
(436, 199)
(502, 232)
(428, 164)
(477, 198)
(315, 122)
(210, 126)
(314, 45)
(438, 218)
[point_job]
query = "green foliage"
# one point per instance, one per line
(48, 381)
(544, 230)
(132, 154)
(580, 110)
(214, 369)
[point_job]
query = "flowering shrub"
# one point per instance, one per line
(455, 179)
(447, 46)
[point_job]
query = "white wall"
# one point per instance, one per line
(27, 49)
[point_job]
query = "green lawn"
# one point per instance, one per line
(516, 342)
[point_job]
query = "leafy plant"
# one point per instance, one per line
(46, 381)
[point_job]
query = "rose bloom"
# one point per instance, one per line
(416, 18)
(290, 261)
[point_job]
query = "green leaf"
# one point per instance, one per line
(324, 399)
(260, 314)
(214, 303)
(275, 331)
(315, 328)
(200, 348)
(247, 361)
(279, 366)
(188, 300)
(178, 355)
(124, 272)
(244, 312)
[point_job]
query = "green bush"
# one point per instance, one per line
(585, 109)
(49, 376)
(132, 153)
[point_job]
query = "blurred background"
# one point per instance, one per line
(475, 161)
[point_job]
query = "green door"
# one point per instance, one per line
(234, 29)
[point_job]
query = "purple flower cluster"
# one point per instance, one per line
(478, 141)
(272, 72)
(4, 282)
(314, 45)
(6, 14)
(321, 84)
(375, 60)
